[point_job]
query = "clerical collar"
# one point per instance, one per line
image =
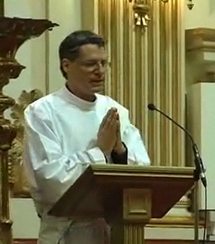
(82, 104)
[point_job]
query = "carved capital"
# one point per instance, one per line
(200, 55)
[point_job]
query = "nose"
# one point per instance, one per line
(100, 68)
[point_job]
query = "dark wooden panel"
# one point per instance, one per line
(1, 7)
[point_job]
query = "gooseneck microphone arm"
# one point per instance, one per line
(200, 171)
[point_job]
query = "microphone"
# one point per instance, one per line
(200, 170)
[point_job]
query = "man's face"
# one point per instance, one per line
(86, 73)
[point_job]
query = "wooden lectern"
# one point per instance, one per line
(126, 196)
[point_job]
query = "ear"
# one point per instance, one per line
(65, 64)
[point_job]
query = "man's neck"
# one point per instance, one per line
(86, 97)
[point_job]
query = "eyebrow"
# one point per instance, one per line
(93, 60)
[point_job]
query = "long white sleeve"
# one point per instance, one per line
(137, 153)
(48, 169)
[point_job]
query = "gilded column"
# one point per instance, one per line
(145, 46)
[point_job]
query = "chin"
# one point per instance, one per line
(96, 90)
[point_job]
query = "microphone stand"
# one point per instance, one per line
(198, 172)
(196, 207)
(197, 176)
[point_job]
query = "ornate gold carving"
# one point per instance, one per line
(190, 3)
(141, 10)
(141, 14)
(16, 173)
(13, 33)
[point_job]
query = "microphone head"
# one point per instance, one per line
(151, 106)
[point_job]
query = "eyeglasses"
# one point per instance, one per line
(93, 64)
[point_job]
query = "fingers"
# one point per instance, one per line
(108, 117)
(104, 121)
(118, 126)
(111, 122)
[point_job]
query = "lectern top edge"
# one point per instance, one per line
(161, 170)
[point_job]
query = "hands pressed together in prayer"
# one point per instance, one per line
(109, 137)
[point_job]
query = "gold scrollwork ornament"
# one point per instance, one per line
(17, 177)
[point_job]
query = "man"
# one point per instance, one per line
(72, 128)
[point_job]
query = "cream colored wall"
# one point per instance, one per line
(201, 109)
(67, 14)
(25, 220)
(202, 14)
(34, 55)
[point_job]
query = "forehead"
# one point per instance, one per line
(92, 51)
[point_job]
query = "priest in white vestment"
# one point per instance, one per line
(70, 129)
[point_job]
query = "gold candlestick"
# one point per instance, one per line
(13, 33)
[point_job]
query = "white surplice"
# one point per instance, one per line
(60, 143)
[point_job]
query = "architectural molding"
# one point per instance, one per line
(200, 55)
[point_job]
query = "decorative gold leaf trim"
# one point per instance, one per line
(17, 177)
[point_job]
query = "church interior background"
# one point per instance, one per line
(158, 51)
